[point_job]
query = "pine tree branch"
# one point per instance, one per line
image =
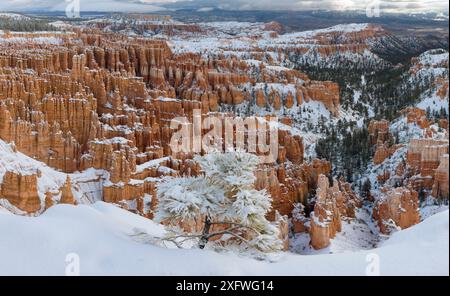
(184, 237)
(236, 224)
(232, 234)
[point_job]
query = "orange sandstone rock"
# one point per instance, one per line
(21, 191)
(326, 218)
(398, 207)
(440, 186)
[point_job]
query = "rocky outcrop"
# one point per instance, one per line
(384, 151)
(116, 193)
(333, 203)
(378, 131)
(417, 116)
(442, 86)
(292, 145)
(290, 184)
(49, 202)
(275, 27)
(347, 200)
(326, 92)
(441, 179)
(423, 158)
(21, 190)
(300, 222)
(326, 218)
(283, 227)
(398, 207)
(66, 194)
(381, 153)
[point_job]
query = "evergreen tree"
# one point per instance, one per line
(366, 187)
(225, 196)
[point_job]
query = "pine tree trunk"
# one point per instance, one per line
(205, 235)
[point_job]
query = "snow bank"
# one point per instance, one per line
(102, 237)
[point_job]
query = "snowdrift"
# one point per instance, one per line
(101, 235)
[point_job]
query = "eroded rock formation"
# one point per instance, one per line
(332, 204)
(379, 131)
(104, 101)
(399, 207)
(326, 218)
(441, 179)
(21, 190)
(424, 157)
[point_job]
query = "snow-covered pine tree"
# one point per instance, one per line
(224, 199)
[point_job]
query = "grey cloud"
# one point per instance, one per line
(389, 5)
(85, 5)
(149, 5)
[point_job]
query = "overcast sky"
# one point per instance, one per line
(151, 5)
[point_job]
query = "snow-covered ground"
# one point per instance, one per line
(37, 40)
(432, 63)
(38, 37)
(243, 38)
(13, 16)
(433, 103)
(433, 58)
(101, 236)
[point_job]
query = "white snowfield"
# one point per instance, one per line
(13, 16)
(101, 236)
(433, 57)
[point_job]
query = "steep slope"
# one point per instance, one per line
(101, 237)
(433, 65)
